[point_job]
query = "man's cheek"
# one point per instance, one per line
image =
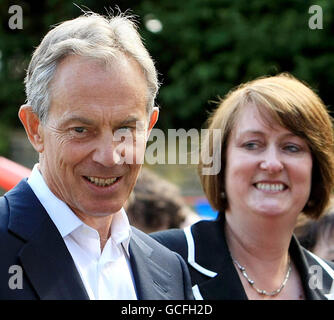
(130, 149)
(133, 153)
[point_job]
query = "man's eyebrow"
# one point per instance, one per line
(129, 120)
(78, 119)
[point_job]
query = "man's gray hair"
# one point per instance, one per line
(90, 35)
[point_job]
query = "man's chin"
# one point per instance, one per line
(102, 213)
(98, 210)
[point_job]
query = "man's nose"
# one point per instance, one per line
(105, 152)
(272, 162)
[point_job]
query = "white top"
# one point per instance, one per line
(106, 275)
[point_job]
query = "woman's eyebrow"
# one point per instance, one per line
(258, 132)
(241, 134)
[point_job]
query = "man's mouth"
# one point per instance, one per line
(102, 182)
(270, 187)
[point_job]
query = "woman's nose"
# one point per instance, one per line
(272, 162)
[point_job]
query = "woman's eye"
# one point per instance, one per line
(292, 148)
(251, 145)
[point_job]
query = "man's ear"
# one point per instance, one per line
(32, 126)
(153, 119)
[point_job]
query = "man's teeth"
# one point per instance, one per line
(270, 187)
(102, 182)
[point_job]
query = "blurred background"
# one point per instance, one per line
(202, 49)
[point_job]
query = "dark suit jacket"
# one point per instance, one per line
(29, 239)
(212, 271)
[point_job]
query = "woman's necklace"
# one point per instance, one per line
(263, 292)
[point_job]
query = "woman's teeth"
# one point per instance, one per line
(270, 187)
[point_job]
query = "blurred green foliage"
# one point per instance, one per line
(205, 48)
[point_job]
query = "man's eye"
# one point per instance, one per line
(124, 129)
(79, 129)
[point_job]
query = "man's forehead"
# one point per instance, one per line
(73, 66)
(81, 83)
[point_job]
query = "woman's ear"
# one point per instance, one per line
(32, 127)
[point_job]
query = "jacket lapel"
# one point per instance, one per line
(152, 281)
(226, 285)
(318, 283)
(44, 257)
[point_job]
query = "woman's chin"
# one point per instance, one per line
(270, 211)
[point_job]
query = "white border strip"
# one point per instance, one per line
(191, 254)
(327, 268)
(197, 293)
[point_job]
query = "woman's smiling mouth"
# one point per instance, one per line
(270, 187)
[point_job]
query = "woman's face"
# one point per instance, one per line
(268, 168)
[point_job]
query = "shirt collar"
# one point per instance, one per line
(66, 220)
(120, 230)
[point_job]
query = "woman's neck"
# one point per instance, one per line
(263, 239)
(261, 247)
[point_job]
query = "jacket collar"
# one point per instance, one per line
(222, 281)
(152, 280)
(44, 256)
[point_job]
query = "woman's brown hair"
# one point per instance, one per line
(294, 106)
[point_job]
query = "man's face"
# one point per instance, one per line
(81, 162)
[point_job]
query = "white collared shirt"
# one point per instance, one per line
(106, 275)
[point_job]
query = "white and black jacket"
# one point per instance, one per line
(214, 277)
